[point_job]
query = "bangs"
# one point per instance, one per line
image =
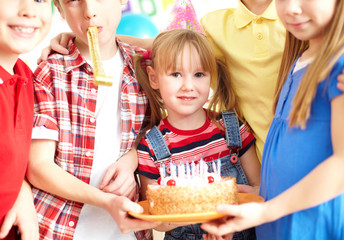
(169, 47)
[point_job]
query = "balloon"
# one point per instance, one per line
(137, 25)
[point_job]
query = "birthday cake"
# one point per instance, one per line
(190, 189)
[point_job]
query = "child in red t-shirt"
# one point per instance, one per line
(23, 24)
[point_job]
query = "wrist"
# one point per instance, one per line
(108, 201)
(271, 212)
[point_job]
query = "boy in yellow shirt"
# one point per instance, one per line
(250, 39)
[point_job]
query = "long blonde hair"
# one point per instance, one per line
(166, 48)
(331, 49)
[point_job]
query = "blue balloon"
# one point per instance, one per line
(137, 25)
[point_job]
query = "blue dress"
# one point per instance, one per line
(291, 153)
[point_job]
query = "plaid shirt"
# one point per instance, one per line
(65, 101)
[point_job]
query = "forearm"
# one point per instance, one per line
(53, 179)
(251, 166)
(317, 187)
(140, 42)
(26, 190)
(45, 174)
(129, 159)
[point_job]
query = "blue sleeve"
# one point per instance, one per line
(337, 69)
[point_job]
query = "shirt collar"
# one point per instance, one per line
(243, 16)
(74, 59)
(19, 72)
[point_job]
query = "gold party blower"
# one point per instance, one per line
(99, 75)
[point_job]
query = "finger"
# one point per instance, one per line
(211, 228)
(219, 229)
(132, 206)
(228, 209)
(65, 39)
(44, 55)
(340, 85)
(28, 232)
(59, 44)
(60, 49)
(115, 186)
(244, 188)
(228, 236)
(108, 176)
(122, 185)
(133, 195)
(7, 225)
(119, 186)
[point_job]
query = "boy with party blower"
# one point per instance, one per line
(81, 130)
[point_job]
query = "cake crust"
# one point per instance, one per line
(191, 199)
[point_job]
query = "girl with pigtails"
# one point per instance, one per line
(177, 75)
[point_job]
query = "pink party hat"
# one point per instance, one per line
(184, 17)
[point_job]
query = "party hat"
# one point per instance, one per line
(184, 17)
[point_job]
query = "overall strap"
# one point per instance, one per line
(231, 122)
(158, 144)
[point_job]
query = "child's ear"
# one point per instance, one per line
(58, 6)
(153, 80)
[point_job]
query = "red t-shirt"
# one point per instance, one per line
(207, 142)
(16, 119)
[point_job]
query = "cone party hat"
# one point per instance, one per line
(184, 17)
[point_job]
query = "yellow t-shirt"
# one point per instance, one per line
(252, 48)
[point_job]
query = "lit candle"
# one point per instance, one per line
(173, 169)
(163, 175)
(219, 167)
(188, 174)
(192, 169)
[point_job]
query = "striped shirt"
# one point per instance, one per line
(207, 142)
(65, 101)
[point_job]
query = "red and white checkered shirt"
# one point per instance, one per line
(65, 101)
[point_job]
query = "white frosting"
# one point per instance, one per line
(186, 174)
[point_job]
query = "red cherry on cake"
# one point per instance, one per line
(159, 180)
(171, 182)
(210, 179)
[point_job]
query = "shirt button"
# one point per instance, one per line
(88, 154)
(92, 120)
(93, 90)
(259, 21)
(71, 224)
(259, 36)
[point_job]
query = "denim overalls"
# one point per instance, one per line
(230, 166)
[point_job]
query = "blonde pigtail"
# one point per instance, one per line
(155, 103)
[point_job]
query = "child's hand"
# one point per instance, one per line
(57, 44)
(119, 207)
(340, 84)
(23, 215)
(248, 189)
(240, 217)
(120, 179)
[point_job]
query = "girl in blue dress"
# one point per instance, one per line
(302, 176)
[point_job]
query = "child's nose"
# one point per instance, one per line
(187, 83)
(90, 9)
(292, 7)
(27, 8)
